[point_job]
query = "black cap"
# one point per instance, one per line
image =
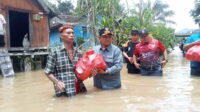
(144, 32)
(134, 32)
(105, 31)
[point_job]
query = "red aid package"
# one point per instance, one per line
(89, 61)
(193, 54)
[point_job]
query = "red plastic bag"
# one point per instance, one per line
(193, 53)
(80, 87)
(77, 85)
(89, 61)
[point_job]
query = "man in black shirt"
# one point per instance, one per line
(128, 50)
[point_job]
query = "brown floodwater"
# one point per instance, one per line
(176, 91)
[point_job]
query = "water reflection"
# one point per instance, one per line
(176, 91)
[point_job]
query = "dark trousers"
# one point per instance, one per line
(2, 42)
(132, 69)
(195, 71)
(153, 71)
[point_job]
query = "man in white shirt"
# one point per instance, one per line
(2, 22)
(5, 62)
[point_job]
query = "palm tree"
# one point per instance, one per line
(195, 13)
(109, 13)
(149, 13)
(161, 12)
(63, 7)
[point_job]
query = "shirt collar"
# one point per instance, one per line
(149, 41)
(106, 49)
(63, 48)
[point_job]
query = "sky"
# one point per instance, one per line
(180, 7)
(182, 15)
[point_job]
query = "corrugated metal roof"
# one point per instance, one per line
(66, 19)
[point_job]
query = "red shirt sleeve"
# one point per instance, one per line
(136, 51)
(161, 46)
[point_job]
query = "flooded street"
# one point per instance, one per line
(176, 91)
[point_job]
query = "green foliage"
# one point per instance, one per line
(110, 13)
(163, 34)
(151, 16)
(80, 42)
(109, 10)
(106, 22)
(34, 64)
(149, 13)
(195, 13)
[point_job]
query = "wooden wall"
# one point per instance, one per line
(39, 30)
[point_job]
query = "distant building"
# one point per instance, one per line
(186, 33)
(80, 29)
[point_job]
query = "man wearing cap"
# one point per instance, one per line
(128, 52)
(5, 62)
(149, 51)
(110, 78)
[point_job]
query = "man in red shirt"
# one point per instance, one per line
(149, 51)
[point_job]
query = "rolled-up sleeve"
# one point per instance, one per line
(189, 40)
(118, 62)
(50, 65)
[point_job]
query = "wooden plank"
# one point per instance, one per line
(29, 54)
(30, 49)
(45, 29)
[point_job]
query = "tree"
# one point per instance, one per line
(161, 12)
(110, 13)
(163, 34)
(63, 7)
(152, 16)
(53, 7)
(195, 13)
(100, 13)
(149, 13)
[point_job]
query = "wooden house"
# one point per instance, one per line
(25, 17)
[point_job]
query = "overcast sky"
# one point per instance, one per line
(180, 7)
(182, 13)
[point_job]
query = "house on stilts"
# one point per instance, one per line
(26, 18)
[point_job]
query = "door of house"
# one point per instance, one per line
(18, 27)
